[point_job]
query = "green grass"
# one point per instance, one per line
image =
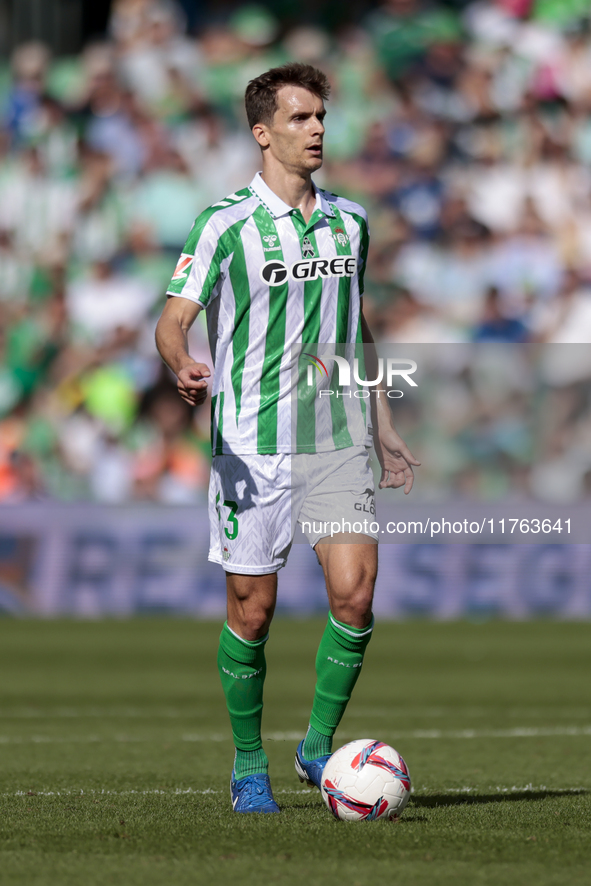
(116, 757)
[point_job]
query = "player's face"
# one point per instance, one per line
(295, 136)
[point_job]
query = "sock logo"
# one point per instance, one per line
(242, 676)
(343, 664)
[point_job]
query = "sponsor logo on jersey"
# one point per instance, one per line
(277, 272)
(274, 273)
(307, 248)
(270, 240)
(183, 265)
(340, 236)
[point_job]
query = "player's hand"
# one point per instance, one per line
(192, 383)
(396, 460)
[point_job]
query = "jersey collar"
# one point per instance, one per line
(275, 205)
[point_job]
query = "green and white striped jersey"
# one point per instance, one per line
(274, 287)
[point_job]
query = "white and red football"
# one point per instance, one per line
(366, 780)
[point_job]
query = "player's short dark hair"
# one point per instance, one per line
(261, 93)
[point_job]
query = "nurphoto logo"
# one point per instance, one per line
(388, 369)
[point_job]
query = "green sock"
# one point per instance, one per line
(338, 663)
(242, 668)
(316, 744)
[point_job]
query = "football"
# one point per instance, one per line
(366, 780)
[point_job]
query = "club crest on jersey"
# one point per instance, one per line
(274, 273)
(307, 248)
(183, 265)
(270, 240)
(340, 236)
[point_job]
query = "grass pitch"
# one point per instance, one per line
(116, 757)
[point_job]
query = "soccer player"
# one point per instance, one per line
(280, 264)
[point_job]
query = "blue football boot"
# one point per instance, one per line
(310, 770)
(252, 794)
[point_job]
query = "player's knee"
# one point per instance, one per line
(354, 608)
(250, 609)
(354, 594)
(250, 624)
(258, 620)
(350, 614)
(360, 609)
(360, 583)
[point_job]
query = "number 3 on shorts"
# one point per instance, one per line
(231, 519)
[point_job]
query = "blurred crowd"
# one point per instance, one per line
(465, 131)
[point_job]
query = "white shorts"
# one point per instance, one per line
(255, 502)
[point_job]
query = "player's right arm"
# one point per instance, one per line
(171, 340)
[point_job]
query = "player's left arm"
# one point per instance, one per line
(396, 459)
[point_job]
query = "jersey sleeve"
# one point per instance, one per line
(198, 269)
(363, 250)
(358, 215)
